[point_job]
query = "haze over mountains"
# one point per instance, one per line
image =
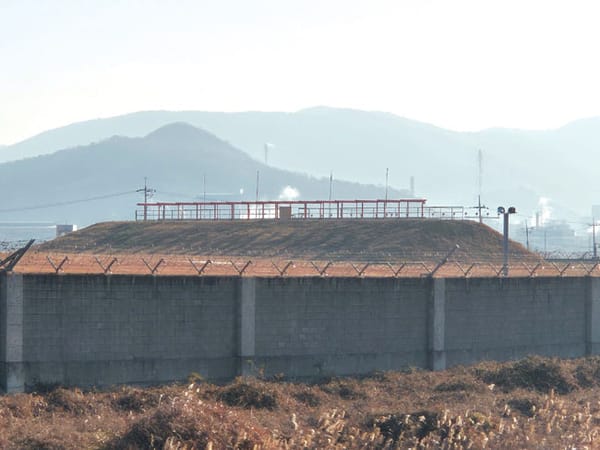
(519, 167)
(175, 158)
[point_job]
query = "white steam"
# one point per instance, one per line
(545, 210)
(289, 193)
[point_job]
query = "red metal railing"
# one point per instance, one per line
(297, 209)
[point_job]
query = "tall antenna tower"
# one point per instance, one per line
(480, 171)
(268, 147)
(479, 206)
(387, 173)
(257, 183)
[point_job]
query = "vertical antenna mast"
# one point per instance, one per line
(387, 173)
(480, 168)
(480, 207)
(257, 183)
(266, 154)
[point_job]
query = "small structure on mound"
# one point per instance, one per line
(410, 208)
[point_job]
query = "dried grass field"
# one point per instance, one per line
(336, 240)
(533, 403)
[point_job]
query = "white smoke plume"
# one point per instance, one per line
(289, 193)
(545, 210)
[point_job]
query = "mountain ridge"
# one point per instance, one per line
(175, 158)
(319, 108)
(519, 166)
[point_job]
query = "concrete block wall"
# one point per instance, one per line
(12, 372)
(503, 319)
(91, 330)
(323, 326)
(101, 330)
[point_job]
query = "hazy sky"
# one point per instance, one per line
(460, 64)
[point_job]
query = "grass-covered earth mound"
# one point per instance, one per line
(348, 239)
(533, 403)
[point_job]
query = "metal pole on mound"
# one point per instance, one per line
(506, 214)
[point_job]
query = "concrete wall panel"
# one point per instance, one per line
(312, 326)
(144, 329)
(502, 319)
(101, 330)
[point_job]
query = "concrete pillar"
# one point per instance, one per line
(437, 325)
(247, 325)
(11, 332)
(592, 346)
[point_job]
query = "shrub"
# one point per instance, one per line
(587, 372)
(540, 374)
(400, 427)
(136, 400)
(155, 430)
(40, 444)
(69, 400)
(525, 406)
(248, 396)
(348, 389)
(308, 398)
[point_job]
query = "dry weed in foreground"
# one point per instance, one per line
(535, 403)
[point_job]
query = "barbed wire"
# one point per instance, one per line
(145, 264)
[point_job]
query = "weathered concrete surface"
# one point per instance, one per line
(323, 326)
(12, 376)
(102, 330)
(247, 326)
(91, 330)
(593, 317)
(437, 316)
(503, 319)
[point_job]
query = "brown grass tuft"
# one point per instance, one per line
(540, 374)
(246, 394)
(69, 400)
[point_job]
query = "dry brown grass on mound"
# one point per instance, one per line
(338, 240)
(532, 403)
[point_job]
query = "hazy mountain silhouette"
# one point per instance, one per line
(519, 166)
(175, 158)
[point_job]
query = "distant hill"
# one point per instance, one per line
(519, 166)
(175, 158)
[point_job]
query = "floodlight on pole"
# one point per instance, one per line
(505, 213)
